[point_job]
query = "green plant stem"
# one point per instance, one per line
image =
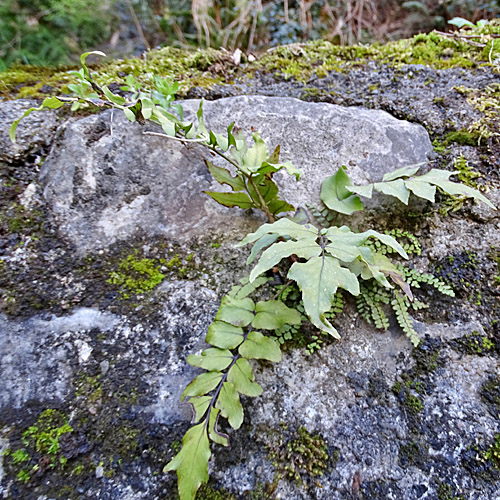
(263, 204)
(180, 139)
(222, 155)
(221, 383)
(223, 379)
(287, 284)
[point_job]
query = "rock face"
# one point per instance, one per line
(34, 132)
(90, 338)
(105, 178)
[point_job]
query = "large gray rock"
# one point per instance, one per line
(344, 393)
(320, 137)
(33, 133)
(118, 372)
(105, 180)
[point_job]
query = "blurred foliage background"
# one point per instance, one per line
(55, 32)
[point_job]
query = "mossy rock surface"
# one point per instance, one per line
(99, 332)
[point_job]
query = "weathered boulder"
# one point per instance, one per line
(397, 422)
(105, 179)
(34, 132)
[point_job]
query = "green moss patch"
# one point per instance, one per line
(40, 448)
(299, 455)
(493, 452)
(191, 68)
(209, 492)
(206, 68)
(136, 276)
(303, 61)
(490, 394)
(462, 137)
(475, 344)
(413, 453)
(447, 492)
(485, 100)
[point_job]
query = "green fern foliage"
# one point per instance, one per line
(372, 298)
(296, 335)
(407, 240)
(370, 303)
(215, 393)
(415, 279)
(400, 305)
(325, 260)
(323, 215)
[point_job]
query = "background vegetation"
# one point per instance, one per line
(54, 32)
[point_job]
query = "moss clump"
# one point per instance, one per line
(25, 81)
(404, 392)
(41, 445)
(413, 454)
(135, 277)
(208, 492)
(426, 356)
(45, 434)
(462, 137)
(461, 272)
(446, 492)
(486, 101)
(474, 344)
(17, 219)
(493, 452)
(439, 147)
(466, 174)
(414, 404)
(490, 394)
(191, 68)
(206, 68)
(303, 61)
(299, 455)
(90, 388)
(180, 265)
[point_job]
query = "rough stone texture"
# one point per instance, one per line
(108, 179)
(26, 366)
(415, 92)
(319, 137)
(349, 401)
(33, 133)
(116, 367)
(343, 393)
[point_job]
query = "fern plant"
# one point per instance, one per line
(235, 340)
(252, 186)
(373, 298)
(322, 262)
(297, 335)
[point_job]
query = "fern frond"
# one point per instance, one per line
(407, 240)
(414, 278)
(323, 215)
(370, 303)
(400, 306)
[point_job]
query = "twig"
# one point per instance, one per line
(137, 24)
(458, 35)
(467, 38)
